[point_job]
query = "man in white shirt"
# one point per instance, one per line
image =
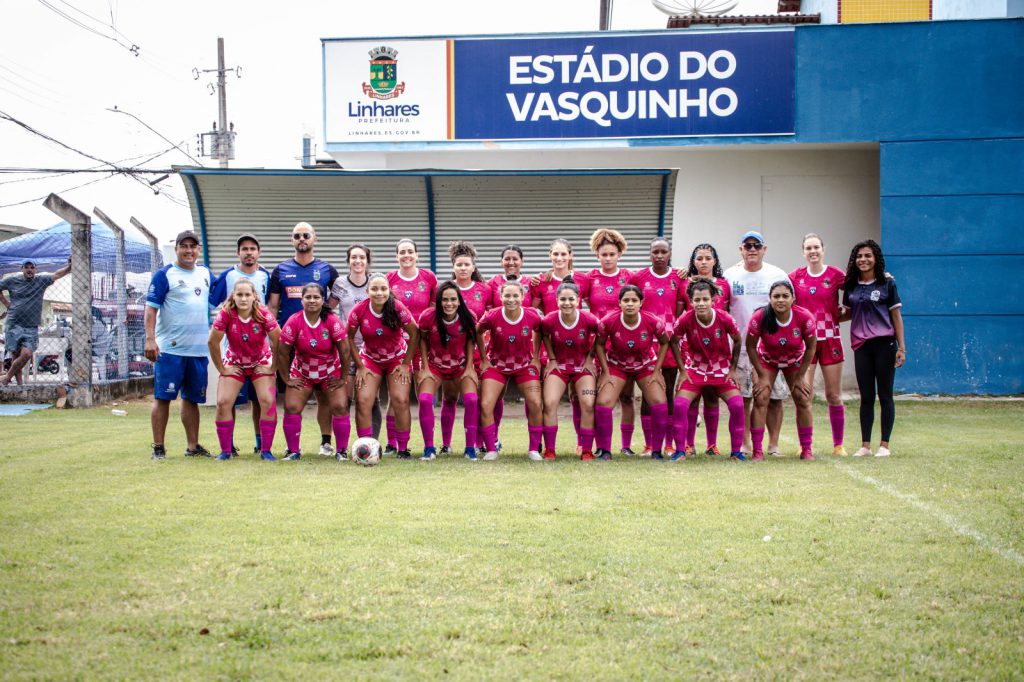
(750, 280)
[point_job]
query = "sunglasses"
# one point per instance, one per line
(752, 246)
(302, 235)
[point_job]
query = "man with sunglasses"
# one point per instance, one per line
(285, 299)
(751, 280)
(24, 312)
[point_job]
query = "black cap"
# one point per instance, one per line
(187, 234)
(248, 236)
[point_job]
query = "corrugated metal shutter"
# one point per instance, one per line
(342, 208)
(489, 210)
(531, 210)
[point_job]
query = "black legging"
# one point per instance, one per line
(875, 362)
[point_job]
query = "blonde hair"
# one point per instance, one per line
(606, 235)
(229, 304)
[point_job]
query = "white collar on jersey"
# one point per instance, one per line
(571, 326)
(522, 313)
(407, 279)
(651, 268)
(622, 319)
(714, 316)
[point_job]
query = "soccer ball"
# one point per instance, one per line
(366, 451)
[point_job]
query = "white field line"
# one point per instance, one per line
(954, 523)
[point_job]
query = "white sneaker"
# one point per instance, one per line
(774, 452)
(863, 452)
(882, 452)
(326, 450)
(490, 456)
(535, 456)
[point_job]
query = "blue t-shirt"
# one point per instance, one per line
(182, 299)
(289, 277)
(225, 283)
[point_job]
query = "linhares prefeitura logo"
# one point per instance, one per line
(383, 74)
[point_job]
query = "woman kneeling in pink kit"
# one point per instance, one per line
(781, 338)
(710, 363)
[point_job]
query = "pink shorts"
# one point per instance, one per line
(445, 374)
(828, 352)
(248, 372)
(639, 374)
(319, 384)
(570, 377)
(382, 369)
(522, 376)
(697, 383)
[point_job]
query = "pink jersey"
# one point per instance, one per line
(572, 345)
(632, 349)
(445, 357)
(720, 301)
(248, 340)
(786, 346)
(417, 294)
(547, 287)
(380, 343)
(478, 298)
(316, 354)
(820, 294)
(604, 291)
(496, 282)
(511, 343)
(709, 349)
(662, 293)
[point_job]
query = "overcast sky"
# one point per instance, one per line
(63, 63)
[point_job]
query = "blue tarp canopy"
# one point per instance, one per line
(49, 250)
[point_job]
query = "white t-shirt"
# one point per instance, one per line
(750, 291)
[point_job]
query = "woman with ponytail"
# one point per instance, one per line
(385, 324)
(781, 338)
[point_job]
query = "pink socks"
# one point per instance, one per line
(736, 418)
(427, 419)
(659, 421)
(292, 431)
(487, 433)
(757, 439)
(691, 422)
(837, 418)
(392, 439)
(587, 439)
(711, 420)
(535, 434)
(550, 437)
(627, 434)
(366, 432)
(645, 426)
(805, 435)
(402, 438)
(225, 431)
(342, 427)
(471, 418)
(447, 422)
(267, 429)
(603, 427)
(681, 418)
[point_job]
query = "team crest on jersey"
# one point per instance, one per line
(421, 286)
(813, 290)
(609, 289)
(660, 291)
(583, 335)
(718, 333)
(316, 275)
(511, 338)
(673, 285)
(782, 341)
(631, 343)
(706, 341)
(378, 331)
(526, 330)
(245, 337)
(796, 333)
(876, 295)
(312, 343)
(199, 292)
(408, 294)
(827, 283)
(568, 342)
(643, 336)
(181, 282)
(323, 334)
(476, 295)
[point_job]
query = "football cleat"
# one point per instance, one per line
(470, 454)
(290, 456)
(712, 451)
(223, 457)
(807, 456)
(490, 456)
(535, 456)
(738, 456)
(198, 451)
(757, 456)
(327, 450)
(549, 454)
(587, 455)
(267, 456)
(446, 451)
(625, 452)
(341, 455)
(429, 453)
(158, 453)
(403, 454)
(839, 451)
(678, 456)
(389, 451)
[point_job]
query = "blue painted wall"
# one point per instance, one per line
(945, 102)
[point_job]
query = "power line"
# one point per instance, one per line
(155, 132)
(68, 189)
(131, 47)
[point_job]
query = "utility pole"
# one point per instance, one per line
(221, 140)
(605, 22)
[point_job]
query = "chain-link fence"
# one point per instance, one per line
(106, 298)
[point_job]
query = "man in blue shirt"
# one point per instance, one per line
(248, 250)
(285, 299)
(24, 311)
(177, 328)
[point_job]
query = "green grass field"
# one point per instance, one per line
(116, 567)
